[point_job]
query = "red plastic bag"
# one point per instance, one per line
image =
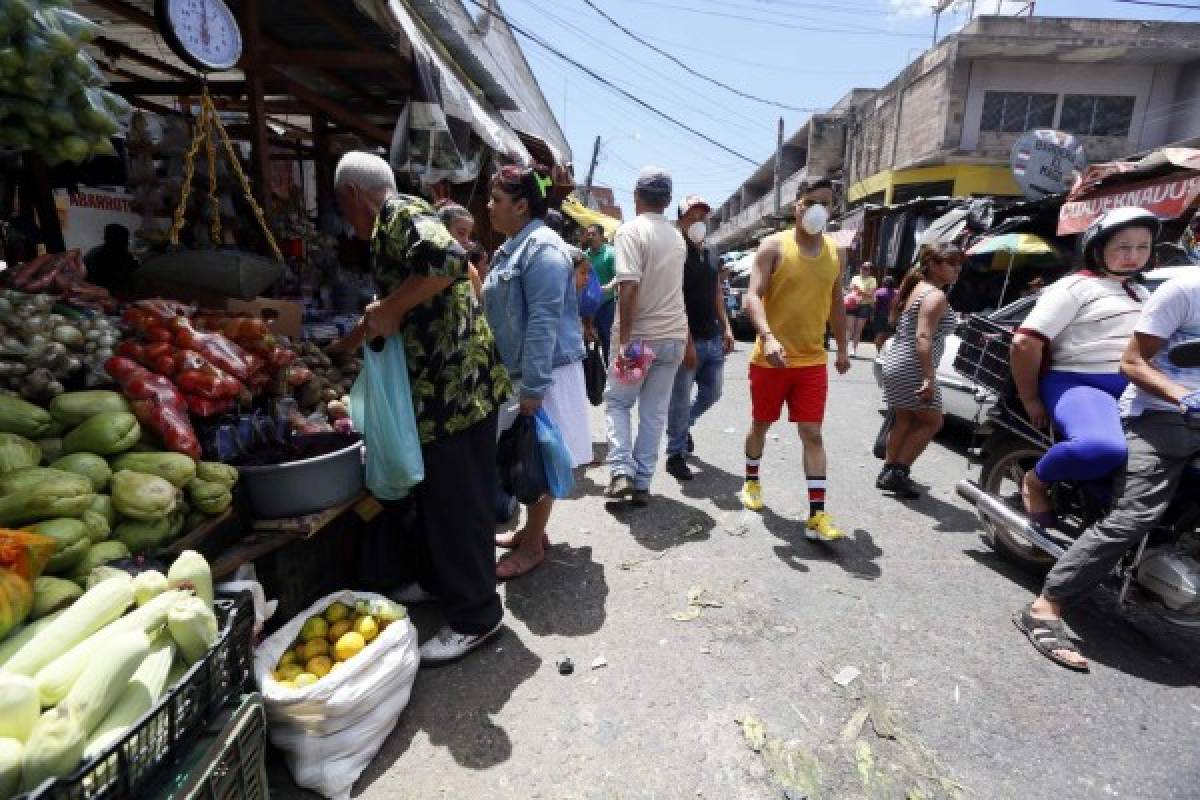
(207, 407)
(195, 375)
(157, 404)
(218, 349)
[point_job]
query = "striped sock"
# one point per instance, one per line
(816, 494)
(752, 468)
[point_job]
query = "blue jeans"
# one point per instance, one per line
(708, 376)
(636, 459)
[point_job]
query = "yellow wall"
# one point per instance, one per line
(969, 179)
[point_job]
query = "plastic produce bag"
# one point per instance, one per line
(519, 459)
(555, 456)
(381, 407)
(329, 731)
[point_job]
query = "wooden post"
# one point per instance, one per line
(42, 199)
(260, 145)
(322, 164)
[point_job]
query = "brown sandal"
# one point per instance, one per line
(514, 565)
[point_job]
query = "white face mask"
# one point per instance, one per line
(815, 219)
(697, 231)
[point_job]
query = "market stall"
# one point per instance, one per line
(179, 428)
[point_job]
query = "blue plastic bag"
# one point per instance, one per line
(591, 297)
(555, 456)
(381, 408)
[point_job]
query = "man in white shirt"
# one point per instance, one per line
(650, 316)
(1162, 409)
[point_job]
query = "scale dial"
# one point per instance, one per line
(204, 33)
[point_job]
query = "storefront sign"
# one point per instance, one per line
(83, 215)
(1046, 162)
(1167, 197)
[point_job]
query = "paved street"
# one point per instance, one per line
(949, 700)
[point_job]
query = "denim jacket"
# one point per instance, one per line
(529, 298)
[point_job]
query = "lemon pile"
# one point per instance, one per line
(326, 642)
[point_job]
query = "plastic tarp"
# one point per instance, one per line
(445, 133)
(585, 216)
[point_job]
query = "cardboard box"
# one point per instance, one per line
(285, 316)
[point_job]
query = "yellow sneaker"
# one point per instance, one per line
(820, 528)
(751, 496)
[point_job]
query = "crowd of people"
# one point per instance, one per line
(491, 338)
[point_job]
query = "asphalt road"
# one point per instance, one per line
(727, 638)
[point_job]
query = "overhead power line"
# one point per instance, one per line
(776, 23)
(609, 84)
(689, 69)
(1185, 6)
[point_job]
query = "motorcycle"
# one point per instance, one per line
(1160, 569)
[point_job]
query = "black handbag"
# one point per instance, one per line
(595, 373)
(882, 437)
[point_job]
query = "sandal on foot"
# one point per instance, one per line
(510, 540)
(1047, 636)
(516, 564)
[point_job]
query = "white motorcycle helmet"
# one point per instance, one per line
(1091, 243)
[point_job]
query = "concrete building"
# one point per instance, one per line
(947, 123)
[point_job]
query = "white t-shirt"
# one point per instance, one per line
(1172, 313)
(1087, 321)
(651, 253)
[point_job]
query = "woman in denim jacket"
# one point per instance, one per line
(530, 302)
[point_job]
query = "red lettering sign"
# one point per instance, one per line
(1167, 197)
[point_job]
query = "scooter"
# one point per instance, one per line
(1162, 569)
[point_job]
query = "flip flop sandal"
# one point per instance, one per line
(511, 566)
(1046, 636)
(509, 545)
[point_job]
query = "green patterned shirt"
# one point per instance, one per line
(457, 377)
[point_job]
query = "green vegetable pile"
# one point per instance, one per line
(97, 497)
(51, 100)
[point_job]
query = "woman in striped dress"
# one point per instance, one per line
(923, 319)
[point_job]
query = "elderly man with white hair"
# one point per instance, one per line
(457, 384)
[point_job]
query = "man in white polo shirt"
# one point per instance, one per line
(650, 314)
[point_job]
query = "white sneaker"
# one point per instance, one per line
(411, 595)
(447, 645)
(853, 351)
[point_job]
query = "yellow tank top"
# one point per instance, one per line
(797, 301)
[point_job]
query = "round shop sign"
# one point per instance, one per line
(1047, 162)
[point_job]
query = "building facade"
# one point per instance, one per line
(947, 123)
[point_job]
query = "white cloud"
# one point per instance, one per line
(924, 8)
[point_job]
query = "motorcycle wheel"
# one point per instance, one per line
(1001, 476)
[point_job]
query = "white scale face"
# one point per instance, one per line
(207, 31)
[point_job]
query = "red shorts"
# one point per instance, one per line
(804, 389)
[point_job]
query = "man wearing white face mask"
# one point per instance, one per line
(709, 337)
(794, 292)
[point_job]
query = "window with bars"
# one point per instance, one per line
(1097, 115)
(1017, 112)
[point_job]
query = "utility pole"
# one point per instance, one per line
(587, 189)
(937, 18)
(779, 166)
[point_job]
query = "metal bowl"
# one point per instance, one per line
(295, 488)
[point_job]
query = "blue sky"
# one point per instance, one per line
(800, 53)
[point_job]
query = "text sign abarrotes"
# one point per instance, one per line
(1047, 162)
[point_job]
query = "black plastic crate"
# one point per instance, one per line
(165, 734)
(229, 762)
(983, 354)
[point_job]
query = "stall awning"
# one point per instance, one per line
(585, 216)
(1168, 197)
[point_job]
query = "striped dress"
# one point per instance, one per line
(902, 367)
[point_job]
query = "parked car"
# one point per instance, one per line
(964, 401)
